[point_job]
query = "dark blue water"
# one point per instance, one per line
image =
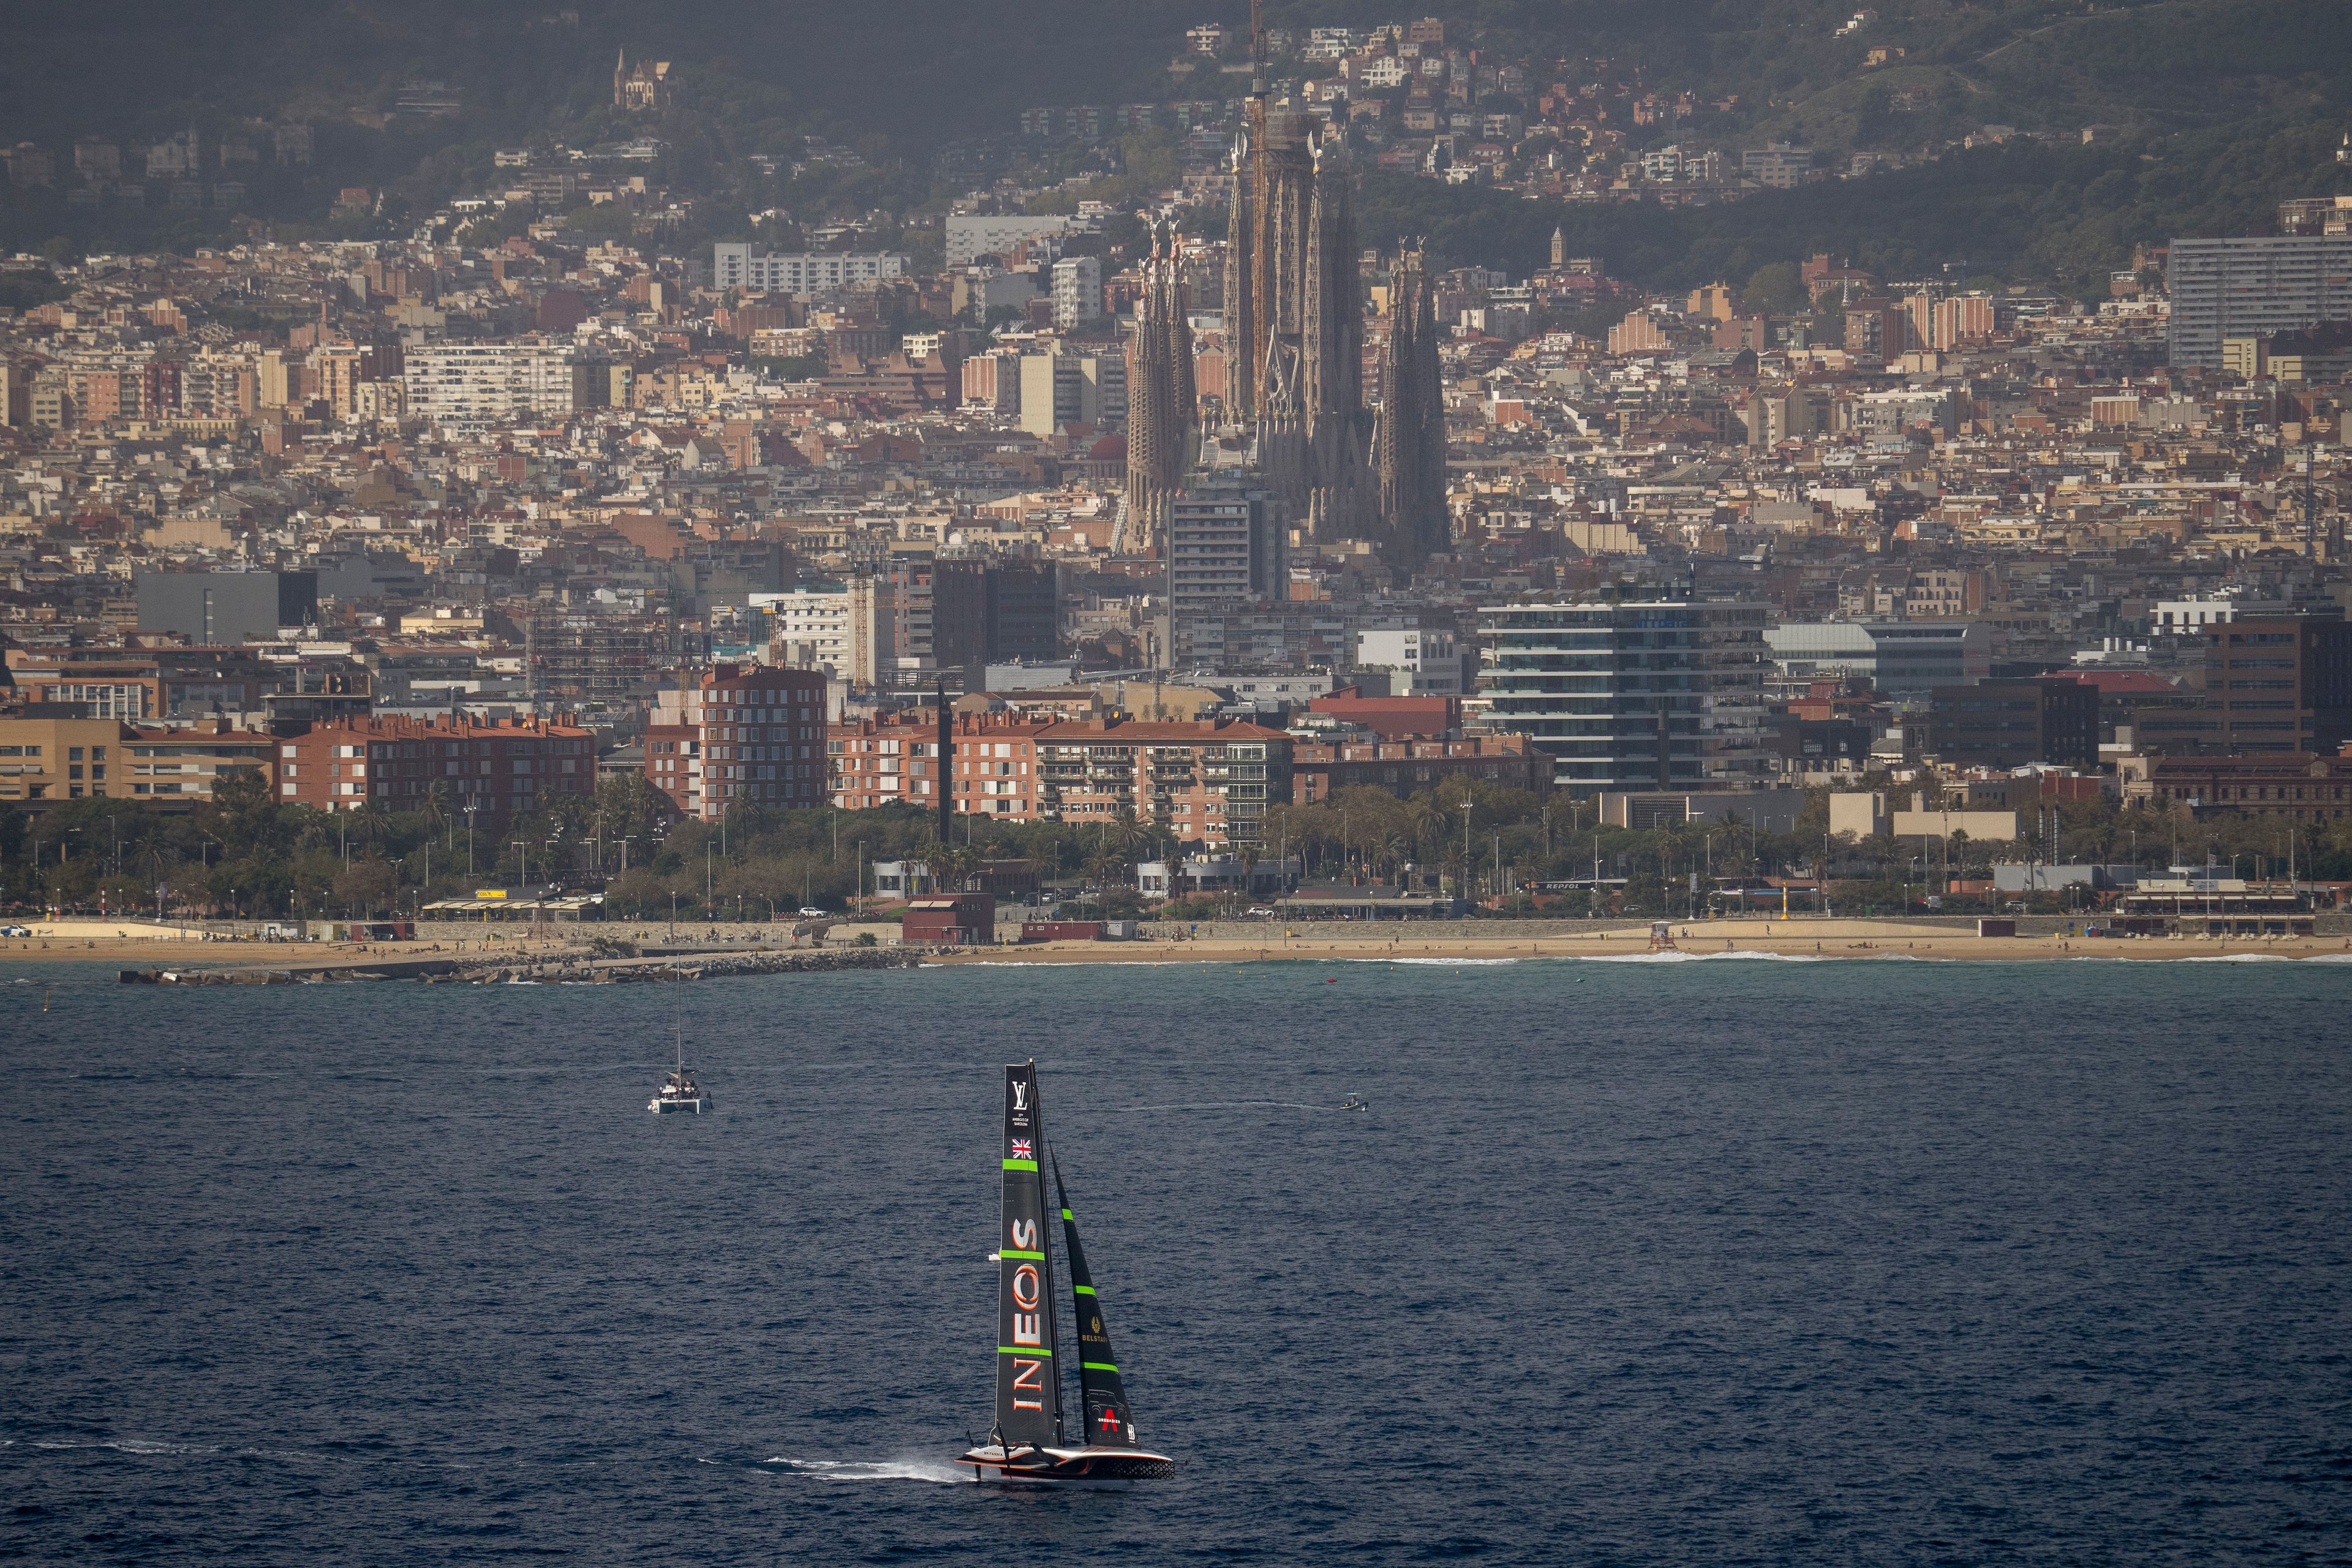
(1699, 1262)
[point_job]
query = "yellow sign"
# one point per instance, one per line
(489, 892)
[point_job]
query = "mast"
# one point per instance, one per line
(1028, 1391)
(1110, 1419)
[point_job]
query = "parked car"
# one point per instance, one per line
(809, 912)
(1260, 912)
(16, 930)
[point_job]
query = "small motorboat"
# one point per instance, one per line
(1352, 1103)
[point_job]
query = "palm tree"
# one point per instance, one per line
(1427, 819)
(1391, 854)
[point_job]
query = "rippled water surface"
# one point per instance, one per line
(1700, 1262)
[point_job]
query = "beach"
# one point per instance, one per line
(149, 946)
(1850, 938)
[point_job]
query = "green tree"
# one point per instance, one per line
(1775, 288)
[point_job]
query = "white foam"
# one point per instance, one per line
(1678, 956)
(937, 1471)
(1435, 963)
(1218, 1105)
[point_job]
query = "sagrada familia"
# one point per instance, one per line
(1294, 332)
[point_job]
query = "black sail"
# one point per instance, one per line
(1028, 1390)
(1111, 1420)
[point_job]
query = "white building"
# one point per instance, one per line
(471, 386)
(1077, 291)
(849, 631)
(1418, 663)
(805, 272)
(972, 235)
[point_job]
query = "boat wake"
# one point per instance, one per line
(938, 1470)
(1215, 1105)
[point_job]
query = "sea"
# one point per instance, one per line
(1723, 1261)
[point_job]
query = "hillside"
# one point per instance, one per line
(2211, 110)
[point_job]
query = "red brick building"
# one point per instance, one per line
(500, 771)
(742, 733)
(1209, 782)
(1405, 767)
(2303, 786)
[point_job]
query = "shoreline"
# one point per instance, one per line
(1856, 940)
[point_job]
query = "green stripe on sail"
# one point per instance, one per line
(1032, 1256)
(1084, 1290)
(1098, 1366)
(1020, 1164)
(1022, 1349)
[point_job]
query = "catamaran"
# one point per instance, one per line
(1029, 1444)
(678, 1091)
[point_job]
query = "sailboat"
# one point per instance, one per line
(678, 1091)
(1029, 1444)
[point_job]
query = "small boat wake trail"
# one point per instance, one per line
(871, 1470)
(1214, 1105)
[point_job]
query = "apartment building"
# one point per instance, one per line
(491, 772)
(2254, 286)
(738, 734)
(1209, 782)
(807, 272)
(1654, 695)
(1077, 292)
(474, 385)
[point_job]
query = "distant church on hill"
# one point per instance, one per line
(640, 90)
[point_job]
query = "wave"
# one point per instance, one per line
(1678, 956)
(2235, 958)
(938, 1470)
(1437, 962)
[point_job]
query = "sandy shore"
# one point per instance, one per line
(1786, 939)
(1426, 943)
(165, 953)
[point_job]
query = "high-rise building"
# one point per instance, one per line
(1225, 548)
(2271, 685)
(1077, 292)
(738, 733)
(1657, 695)
(1024, 611)
(2254, 286)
